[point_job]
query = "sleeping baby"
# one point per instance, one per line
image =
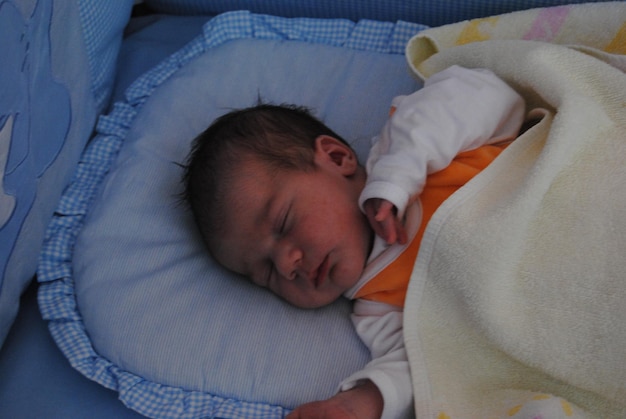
(282, 199)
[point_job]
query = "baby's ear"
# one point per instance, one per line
(335, 154)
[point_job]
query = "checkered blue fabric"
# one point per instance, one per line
(103, 25)
(57, 294)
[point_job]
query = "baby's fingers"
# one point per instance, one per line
(400, 231)
(392, 227)
(378, 227)
(388, 229)
(384, 211)
(383, 219)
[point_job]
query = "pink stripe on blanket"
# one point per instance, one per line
(547, 24)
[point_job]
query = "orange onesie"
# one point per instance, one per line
(390, 285)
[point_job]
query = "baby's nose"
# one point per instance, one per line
(288, 270)
(291, 259)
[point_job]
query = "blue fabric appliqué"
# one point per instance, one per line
(33, 120)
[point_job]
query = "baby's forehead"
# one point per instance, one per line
(251, 171)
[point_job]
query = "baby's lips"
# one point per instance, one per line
(319, 276)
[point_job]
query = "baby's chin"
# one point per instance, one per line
(317, 301)
(311, 305)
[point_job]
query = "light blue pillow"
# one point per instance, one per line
(132, 297)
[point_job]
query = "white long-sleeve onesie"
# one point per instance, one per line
(457, 110)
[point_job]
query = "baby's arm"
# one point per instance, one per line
(379, 326)
(381, 390)
(361, 402)
(458, 109)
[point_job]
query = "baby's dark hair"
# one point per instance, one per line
(280, 136)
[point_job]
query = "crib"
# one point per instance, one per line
(109, 306)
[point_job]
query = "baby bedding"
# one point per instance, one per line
(431, 13)
(104, 324)
(48, 104)
(516, 302)
(102, 24)
(132, 298)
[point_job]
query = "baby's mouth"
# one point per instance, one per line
(320, 275)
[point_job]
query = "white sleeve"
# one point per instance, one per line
(458, 109)
(379, 325)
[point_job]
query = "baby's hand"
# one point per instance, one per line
(362, 402)
(383, 218)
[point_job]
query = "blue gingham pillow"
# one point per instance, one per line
(131, 296)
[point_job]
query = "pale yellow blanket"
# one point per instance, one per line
(517, 303)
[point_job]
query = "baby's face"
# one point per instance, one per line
(299, 234)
